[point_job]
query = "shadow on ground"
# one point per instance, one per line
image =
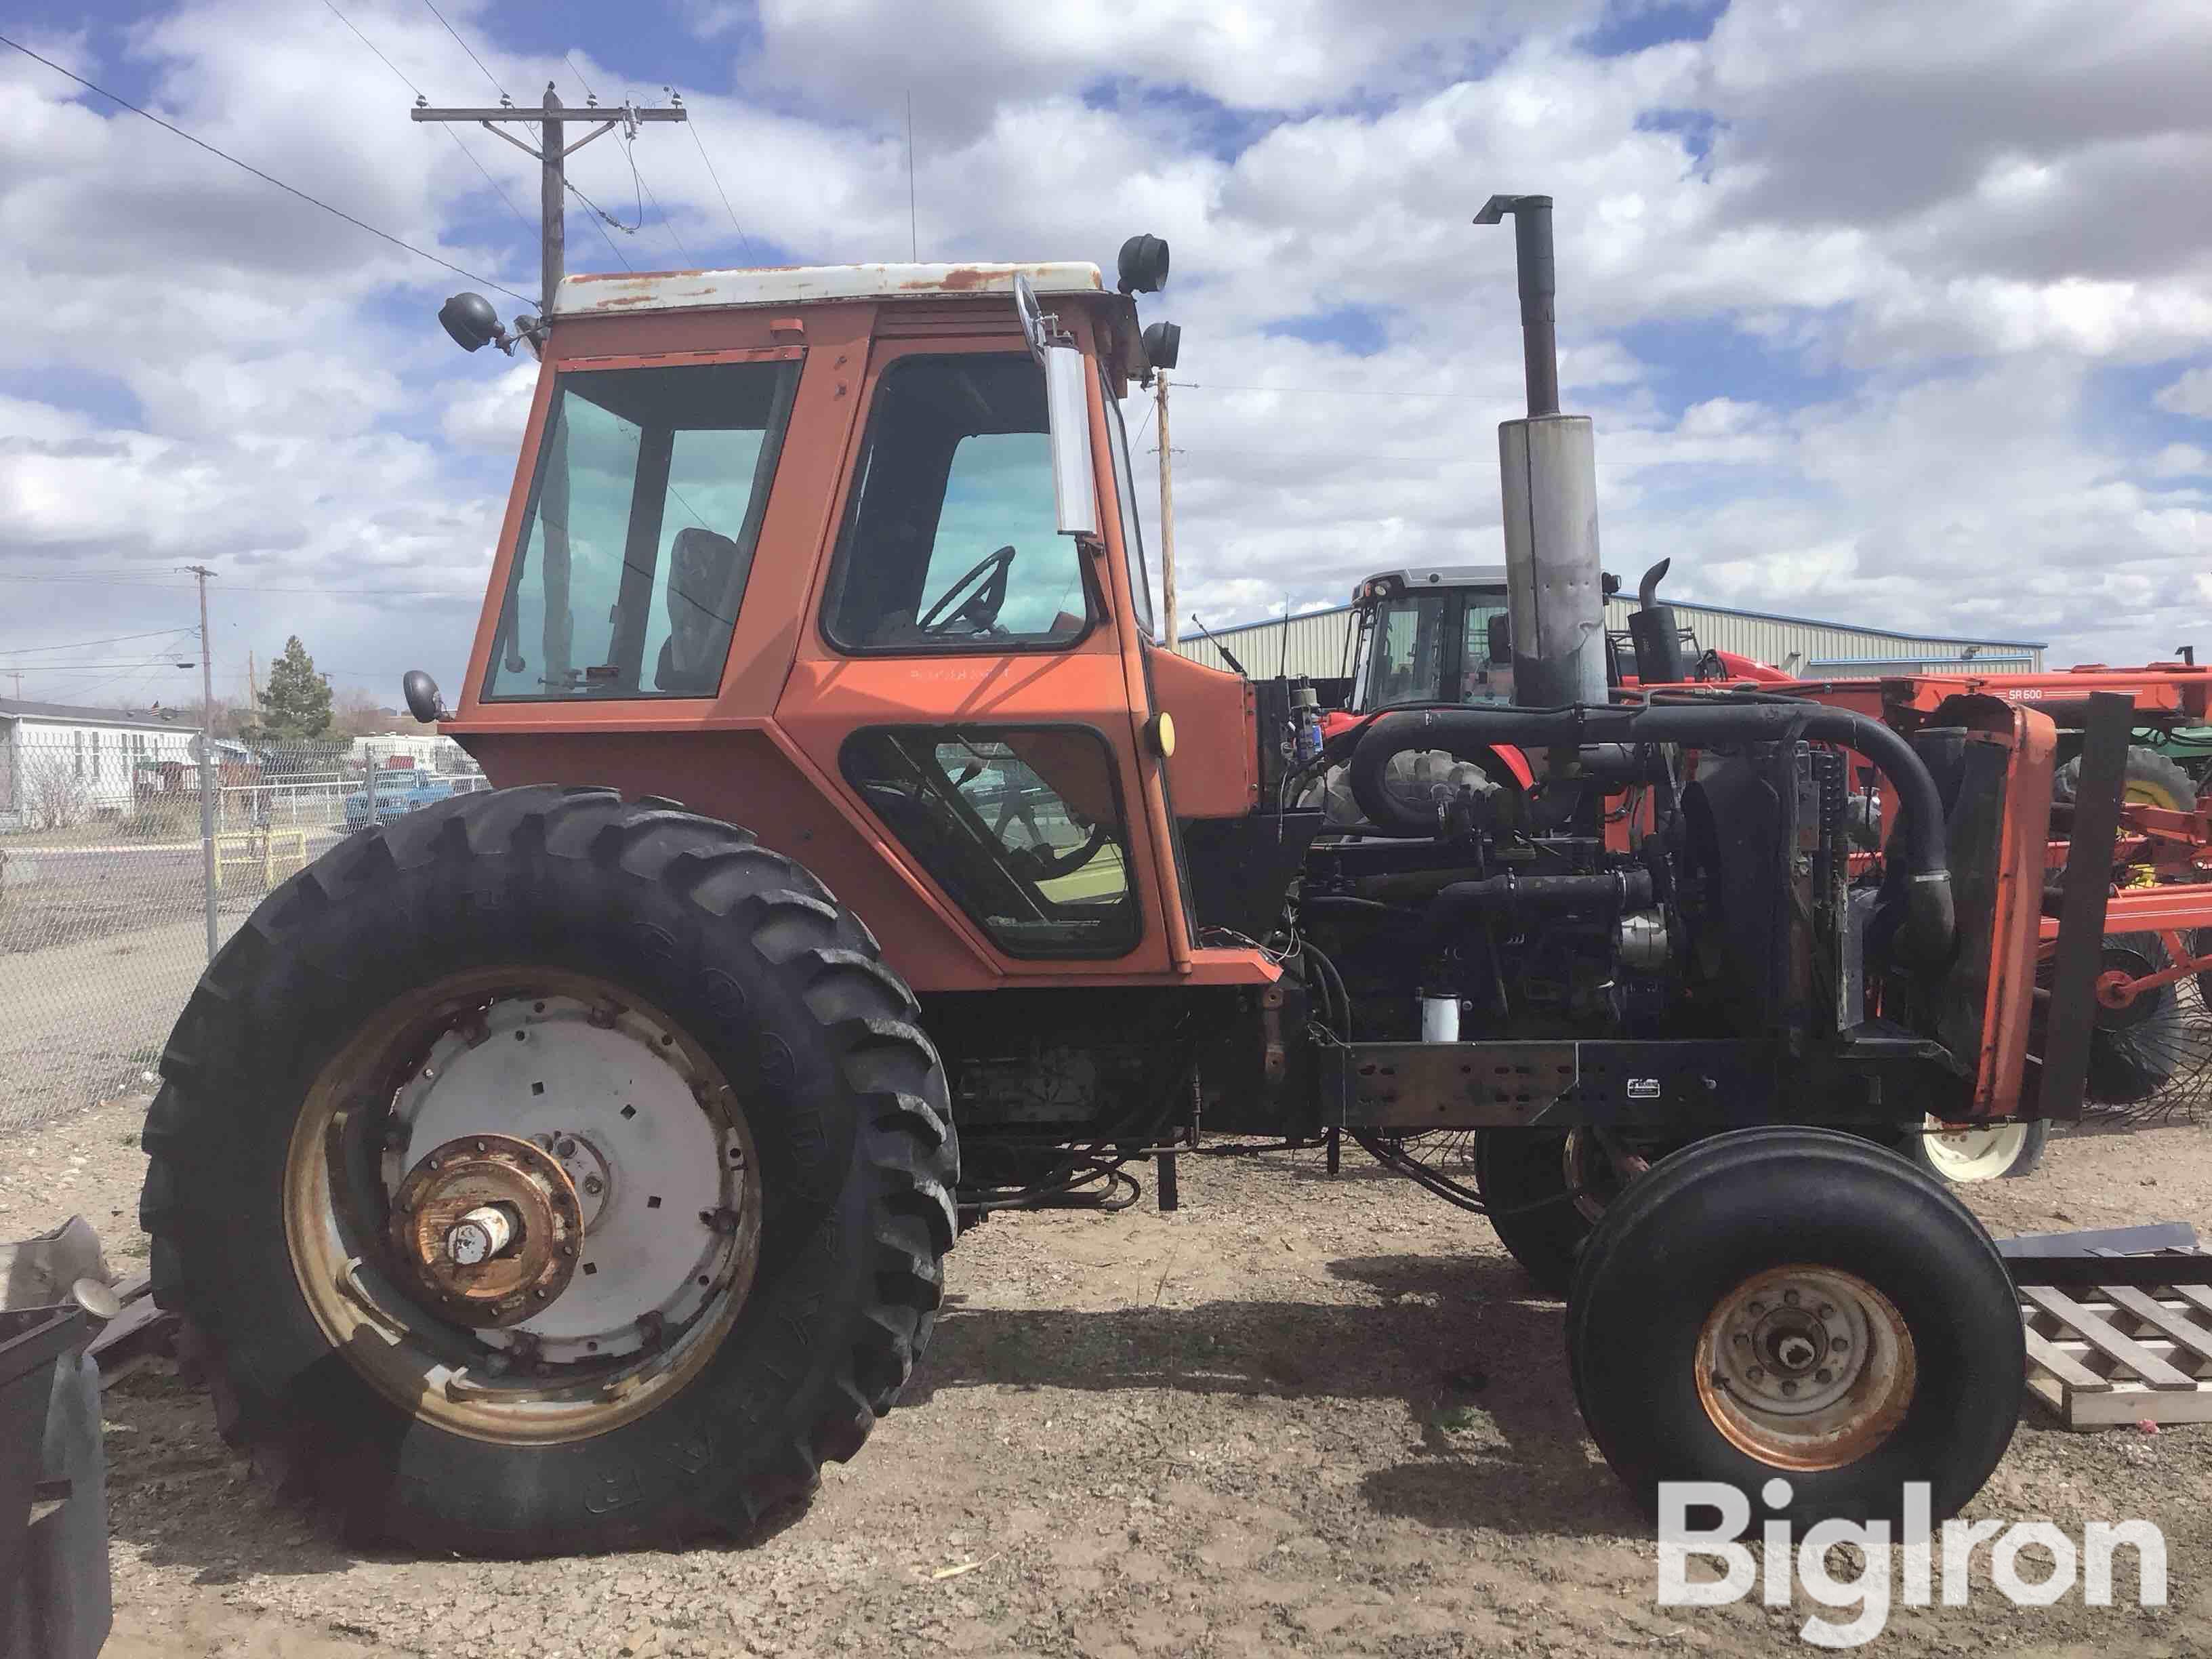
(1480, 1368)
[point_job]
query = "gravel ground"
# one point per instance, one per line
(1301, 1414)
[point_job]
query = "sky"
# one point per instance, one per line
(1885, 313)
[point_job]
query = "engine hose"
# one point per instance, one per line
(1613, 890)
(1930, 922)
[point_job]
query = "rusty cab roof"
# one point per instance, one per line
(615, 293)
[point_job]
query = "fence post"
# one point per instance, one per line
(207, 831)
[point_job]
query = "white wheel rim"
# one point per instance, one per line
(1968, 1153)
(609, 1090)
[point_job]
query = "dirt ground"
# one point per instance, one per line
(1303, 1414)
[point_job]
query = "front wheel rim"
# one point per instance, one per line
(611, 1124)
(1806, 1367)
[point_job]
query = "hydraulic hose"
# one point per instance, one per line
(1930, 922)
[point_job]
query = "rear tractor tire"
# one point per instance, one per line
(1544, 1190)
(542, 1172)
(2150, 780)
(1797, 1304)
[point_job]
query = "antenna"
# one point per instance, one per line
(1227, 656)
(913, 235)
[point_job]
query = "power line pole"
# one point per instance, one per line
(1167, 510)
(207, 758)
(552, 154)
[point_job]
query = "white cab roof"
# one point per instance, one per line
(784, 285)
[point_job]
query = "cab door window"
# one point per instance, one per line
(951, 542)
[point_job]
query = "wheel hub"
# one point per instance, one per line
(602, 1097)
(489, 1227)
(1806, 1367)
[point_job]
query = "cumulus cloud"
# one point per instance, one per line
(1851, 291)
(2189, 395)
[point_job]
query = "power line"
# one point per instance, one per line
(471, 50)
(112, 639)
(570, 59)
(249, 587)
(1329, 391)
(664, 222)
(743, 241)
(418, 91)
(289, 190)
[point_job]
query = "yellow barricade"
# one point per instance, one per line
(257, 859)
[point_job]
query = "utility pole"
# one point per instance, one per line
(207, 759)
(1167, 510)
(551, 118)
(552, 156)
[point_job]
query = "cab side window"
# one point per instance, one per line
(952, 540)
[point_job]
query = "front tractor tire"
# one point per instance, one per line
(545, 1172)
(1797, 1304)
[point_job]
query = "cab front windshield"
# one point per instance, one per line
(1439, 647)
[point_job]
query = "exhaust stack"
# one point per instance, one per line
(1548, 473)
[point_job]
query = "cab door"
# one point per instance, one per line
(972, 680)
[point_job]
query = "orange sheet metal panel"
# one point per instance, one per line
(1214, 771)
(2014, 929)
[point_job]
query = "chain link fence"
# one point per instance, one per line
(122, 858)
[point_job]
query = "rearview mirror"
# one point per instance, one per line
(421, 692)
(1068, 412)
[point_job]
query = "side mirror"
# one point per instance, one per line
(421, 693)
(1068, 412)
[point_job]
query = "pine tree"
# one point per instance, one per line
(296, 706)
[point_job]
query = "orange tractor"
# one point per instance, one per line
(575, 1163)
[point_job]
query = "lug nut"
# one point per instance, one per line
(724, 1220)
(1758, 1374)
(565, 1148)
(1789, 1387)
(1836, 1345)
(1757, 1309)
(1824, 1375)
(593, 1186)
(1826, 1310)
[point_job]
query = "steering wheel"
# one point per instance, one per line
(980, 608)
(1041, 860)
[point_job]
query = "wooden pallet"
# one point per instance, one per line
(2116, 1354)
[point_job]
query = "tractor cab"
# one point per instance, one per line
(1435, 636)
(861, 541)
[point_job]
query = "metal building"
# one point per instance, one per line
(1318, 644)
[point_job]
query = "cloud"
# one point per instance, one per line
(2189, 395)
(1850, 292)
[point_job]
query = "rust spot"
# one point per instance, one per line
(961, 278)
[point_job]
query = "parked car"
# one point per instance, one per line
(398, 791)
